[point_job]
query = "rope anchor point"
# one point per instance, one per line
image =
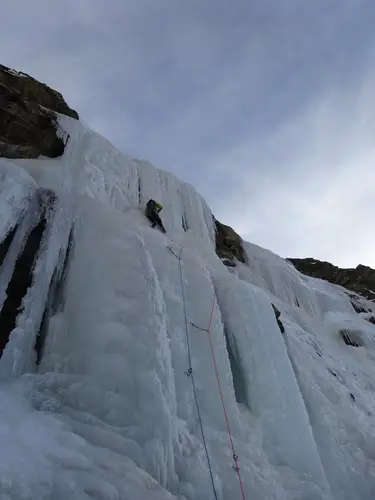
(198, 327)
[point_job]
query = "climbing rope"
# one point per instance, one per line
(190, 373)
(234, 455)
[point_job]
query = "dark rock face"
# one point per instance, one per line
(228, 263)
(360, 280)
(24, 272)
(351, 338)
(228, 243)
(28, 109)
(277, 315)
(20, 282)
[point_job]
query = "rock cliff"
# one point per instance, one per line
(28, 122)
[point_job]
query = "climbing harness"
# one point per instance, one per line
(190, 374)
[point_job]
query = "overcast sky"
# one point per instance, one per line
(266, 106)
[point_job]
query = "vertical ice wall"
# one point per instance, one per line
(273, 394)
(280, 279)
(37, 211)
(17, 189)
(115, 360)
(313, 312)
(123, 183)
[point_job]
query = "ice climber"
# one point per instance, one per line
(152, 214)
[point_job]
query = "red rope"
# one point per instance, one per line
(235, 457)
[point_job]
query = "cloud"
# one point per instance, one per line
(265, 106)
(319, 199)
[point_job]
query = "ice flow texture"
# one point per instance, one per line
(110, 413)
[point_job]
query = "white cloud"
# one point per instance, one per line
(319, 197)
(266, 106)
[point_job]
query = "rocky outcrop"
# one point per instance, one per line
(228, 243)
(28, 121)
(360, 280)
